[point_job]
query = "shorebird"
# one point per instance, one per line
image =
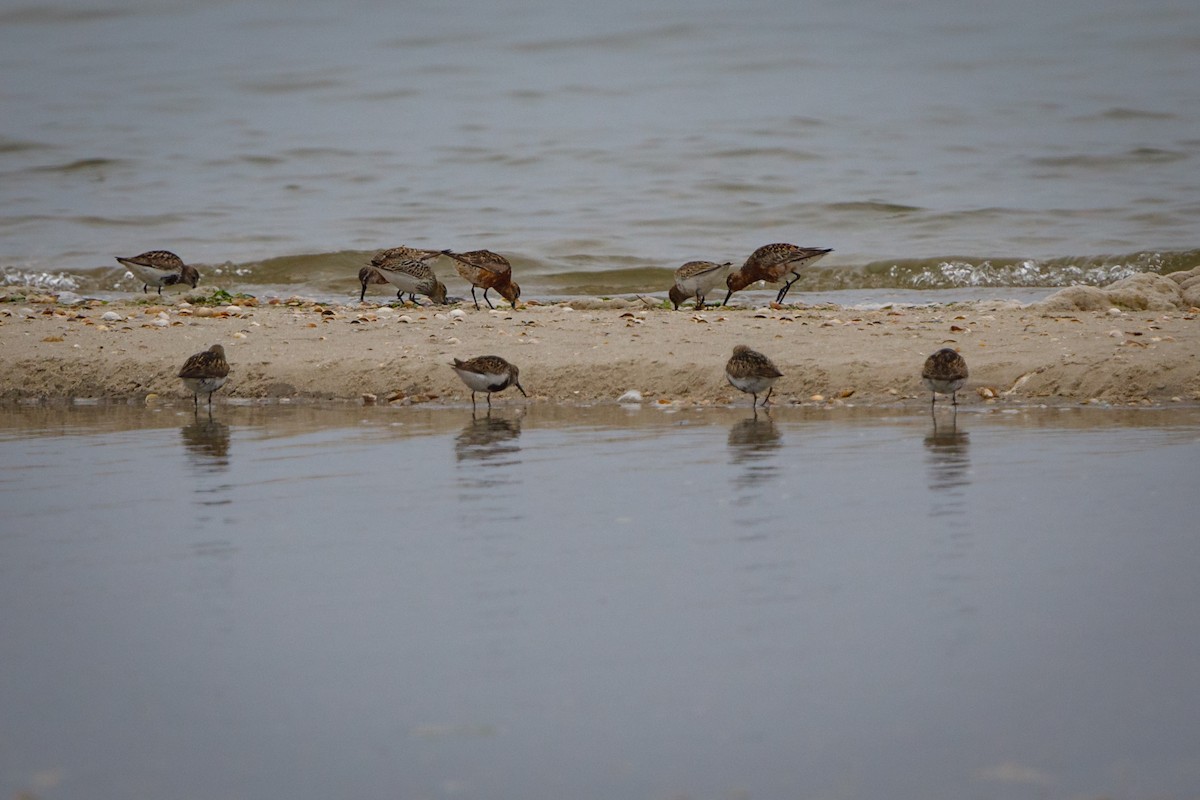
(945, 372)
(369, 276)
(205, 372)
(387, 259)
(400, 251)
(696, 279)
(752, 372)
(772, 263)
(160, 268)
(487, 374)
(407, 275)
(488, 270)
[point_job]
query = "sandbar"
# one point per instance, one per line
(590, 350)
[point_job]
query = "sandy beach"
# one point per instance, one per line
(1134, 342)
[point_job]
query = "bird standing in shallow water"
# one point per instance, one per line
(487, 374)
(752, 372)
(160, 268)
(696, 279)
(945, 372)
(488, 270)
(772, 263)
(205, 372)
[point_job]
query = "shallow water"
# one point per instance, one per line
(934, 145)
(598, 602)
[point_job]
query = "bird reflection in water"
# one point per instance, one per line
(489, 439)
(752, 443)
(488, 498)
(948, 456)
(207, 443)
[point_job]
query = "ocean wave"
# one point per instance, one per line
(1136, 157)
(82, 165)
(39, 281)
(991, 272)
(335, 273)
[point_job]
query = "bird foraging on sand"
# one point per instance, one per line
(205, 372)
(487, 270)
(400, 251)
(160, 268)
(696, 279)
(369, 276)
(944, 372)
(752, 372)
(773, 263)
(487, 374)
(386, 263)
(407, 275)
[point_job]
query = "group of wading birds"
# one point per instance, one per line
(410, 271)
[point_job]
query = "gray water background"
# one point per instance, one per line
(314, 602)
(933, 145)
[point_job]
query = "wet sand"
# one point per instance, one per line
(594, 350)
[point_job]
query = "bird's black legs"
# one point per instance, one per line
(783, 292)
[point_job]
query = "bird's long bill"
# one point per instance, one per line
(521, 388)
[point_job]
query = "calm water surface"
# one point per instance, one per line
(598, 603)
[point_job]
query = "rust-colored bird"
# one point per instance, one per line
(487, 270)
(773, 263)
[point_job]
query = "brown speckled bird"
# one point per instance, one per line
(772, 263)
(944, 372)
(160, 268)
(696, 279)
(388, 259)
(407, 275)
(487, 374)
(752, 372)
(400, 251)
(487, 270)
(205, 372)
